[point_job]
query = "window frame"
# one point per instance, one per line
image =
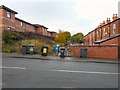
(8, 29)
(8, 14)
(114, 28)
(104, 31)
(21, 24)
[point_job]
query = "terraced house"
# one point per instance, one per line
(9, 22)
(107, 33)
(103, 41)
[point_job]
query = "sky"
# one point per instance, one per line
(67, 15)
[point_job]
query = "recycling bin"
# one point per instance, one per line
(83, 52)
(31, 48)
(62, 52)
(44, 50)
(24, 49)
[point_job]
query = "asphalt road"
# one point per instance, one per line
(30, 73)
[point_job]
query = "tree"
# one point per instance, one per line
(77, 38)
(63, 37)
(10, 37)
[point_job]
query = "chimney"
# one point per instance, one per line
(114, 17)
(108, 20)
(104, 23)
(101, 24)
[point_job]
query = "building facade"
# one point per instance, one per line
(9, 22)
(102, 42)
(107, 33)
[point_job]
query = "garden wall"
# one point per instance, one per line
(107, 52)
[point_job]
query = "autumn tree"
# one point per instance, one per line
(63, 37)
(77, 38)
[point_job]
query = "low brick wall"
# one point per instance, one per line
(108, 52)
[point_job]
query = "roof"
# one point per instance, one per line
(35, 25)
(105, 39)
(38, 25)
(24, 21)
(8, 9)
(52, 32)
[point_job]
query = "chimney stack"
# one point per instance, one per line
(104, 23)
(108, 20)
(114, 17)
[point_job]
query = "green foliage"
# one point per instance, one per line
(77, 38)
(38, 45)
(8, 48)
(10, 37)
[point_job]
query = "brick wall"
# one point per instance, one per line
(24, 27)
(97, 51)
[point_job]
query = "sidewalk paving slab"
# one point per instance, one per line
(57, 58)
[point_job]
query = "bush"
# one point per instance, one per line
(17, 46)
(38, 45)
(8, 49)
(10, 37)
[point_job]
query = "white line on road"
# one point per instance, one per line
(87, 72)
(12, 67)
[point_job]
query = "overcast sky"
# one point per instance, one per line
(68, 15)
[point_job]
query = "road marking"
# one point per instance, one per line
(12, 67)
(87, 72)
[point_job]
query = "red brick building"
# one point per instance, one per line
(102, 42)
(9, 22)
(107, 33)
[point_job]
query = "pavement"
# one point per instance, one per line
(57, 58)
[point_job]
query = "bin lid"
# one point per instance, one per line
(30, 45)
(44, 46)
(26, 45)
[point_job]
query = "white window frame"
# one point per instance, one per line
(114, 28)
(21, 24)
(8, 29)
(8, 14)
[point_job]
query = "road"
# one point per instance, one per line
(31, 73)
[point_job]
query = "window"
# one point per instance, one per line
(8, 29)
(21, 24)
(97, 34)
(114, 28)
(109, 30)
(90, 40)
(93, 34)
(104, 32)
(100, 32)
(8, 14)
